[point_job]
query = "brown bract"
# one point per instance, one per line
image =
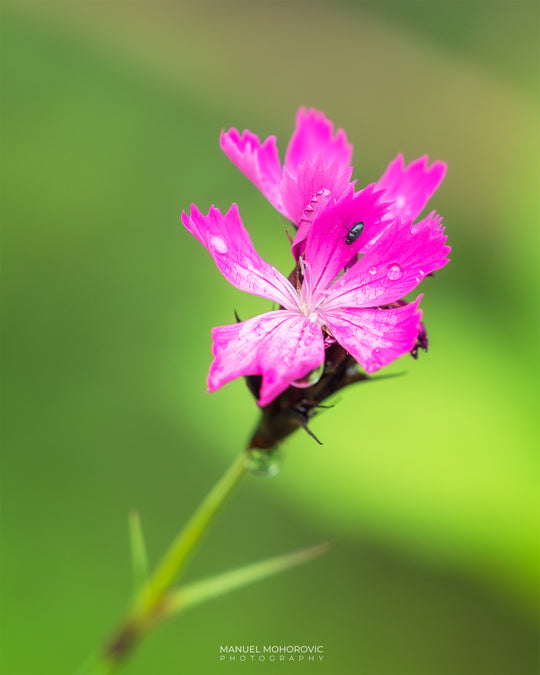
(295, 407)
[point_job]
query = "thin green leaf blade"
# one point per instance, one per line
(216, 586)
(139, 556)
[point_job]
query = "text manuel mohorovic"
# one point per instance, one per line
(271, 652)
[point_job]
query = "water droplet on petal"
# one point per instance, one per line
(372, 271)
(311, 378)
(394, 272)
(218, 243)
(261, 463)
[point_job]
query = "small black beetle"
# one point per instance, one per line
(353, 234)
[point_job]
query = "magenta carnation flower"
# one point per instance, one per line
(359, 308)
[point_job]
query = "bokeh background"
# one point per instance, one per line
(427, 483)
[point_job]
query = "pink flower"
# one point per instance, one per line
(285, 345)
(318, 166)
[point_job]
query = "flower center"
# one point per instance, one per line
(310, 298)
(309, 302)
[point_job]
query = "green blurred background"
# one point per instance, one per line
(427, 483)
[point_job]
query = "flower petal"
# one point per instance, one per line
(328, 248)
(314, 136)
(259, 162)
(394, 266)
(432, 221)
(317, 165)
(305, 194)
(376, 337)
(410, 187)
(229, 244)
(281, 346)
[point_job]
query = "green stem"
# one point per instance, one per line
(148, 606)
(184, 544)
